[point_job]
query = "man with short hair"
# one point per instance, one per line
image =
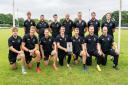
(81, 24)
(15, 52)
(109, 24)
(48, 48)
(78, 48)
(108, 47)
(55, 26)
(30, 47)
(92, 47)
(28, 23)
(41, 26)
(95, 23)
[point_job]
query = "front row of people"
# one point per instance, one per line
(28, 49)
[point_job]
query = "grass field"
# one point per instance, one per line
(64, 76)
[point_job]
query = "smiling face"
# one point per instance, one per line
(108, 16)
(32, 30)
(15, 31)
(46, 32)
(79, 15)
(105, 30)
(91, 30)
(62, 30)
(29, 15)
(76, 31)
(93, 15)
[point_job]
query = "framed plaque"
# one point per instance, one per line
(69, 46)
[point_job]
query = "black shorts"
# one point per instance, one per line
(12, 57)
(47, 54)
(61, 54)
(28, 57)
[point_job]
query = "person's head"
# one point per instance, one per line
(41, 17)
(105, 30)
(79, 15)
(62, 30)
(29, 15)
(76, 31)
(46, 32)
(55, 17)
(32, 30)
(67, 16)
(91, 30)
(93, 15)
(108, 16)
(14, 31)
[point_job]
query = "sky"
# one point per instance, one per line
(61, 7)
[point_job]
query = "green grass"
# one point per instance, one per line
(64, 76)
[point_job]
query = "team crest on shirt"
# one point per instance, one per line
(31, 23)
(102, 39)
(94, 39)
(108, 39)
(96, 22)
(110, 24)
(60, 39)
(13, 41)
(28, 39)
(34, 40)
(79, 40)
(65, 39)
(18, 41)
(50, 40)
(74, 40)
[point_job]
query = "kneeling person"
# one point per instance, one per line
(78, 48)
(93, 47)
(15, 52)
(48, 47)
(107, 43)
(30, 47)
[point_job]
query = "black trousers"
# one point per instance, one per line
(89, 58)
(112, 53)
(62, 55)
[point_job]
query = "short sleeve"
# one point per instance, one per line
(24, 38)
(86, 40)
(10, 42)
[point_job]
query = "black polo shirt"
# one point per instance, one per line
(68, 27)
(81, 25)
(55, 27)
(96, 25)
(91, 42)
(106, 42)
(47, 43)
(77, 44)
(28, 24)
(62, 40)
(15, 42)
(41, 26)
(30, 42)
(110, 25)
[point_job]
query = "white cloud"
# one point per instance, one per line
(49, 7)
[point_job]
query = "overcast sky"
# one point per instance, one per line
(61, 7)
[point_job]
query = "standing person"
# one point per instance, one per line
(41, 26)
(68, 24)
(55, 26)
(81, 24)
(95, 23)
(78, 48)
(48, 48)
(30, 47)
(109, 24)
(15, 52)
(93, 47)
(108, 47)
(28, 23)
(61, 41)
